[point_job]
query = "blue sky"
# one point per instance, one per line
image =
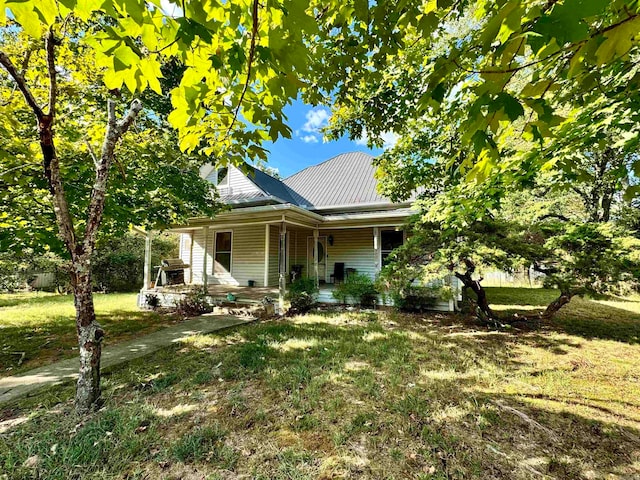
(307, 146)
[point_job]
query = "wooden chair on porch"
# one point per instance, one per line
(338, 273)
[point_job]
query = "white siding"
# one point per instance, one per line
(197, 257)
(298, 248)
(274, 246)
(238, 182)
(354, 248)
(247, 257)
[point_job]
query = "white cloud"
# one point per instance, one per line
(171, 9)
(309, 139)
(389, 139)
(363, 140)
(316, 119)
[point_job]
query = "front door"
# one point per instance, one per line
(322, 258)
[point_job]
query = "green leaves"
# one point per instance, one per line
(34, 17)
(618, 41)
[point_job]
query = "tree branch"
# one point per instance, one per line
(252, 52)
(557, 216)
(17, 77)
(92, 154)
(51, 66)
(115, 131)
(551, 55)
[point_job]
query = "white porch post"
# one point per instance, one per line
(191, 257)
(266, 255)
(376, 248)
(282, 267)
(315, 256)
(147, 262)
(205, 280)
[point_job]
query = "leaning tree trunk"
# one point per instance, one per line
(483, 309)
(485, 313)
(555, 306)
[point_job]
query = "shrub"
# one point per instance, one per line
(194, 303)
(302, 295)
(358, 287)
(118, 262)
(152, 301)
(416, 298)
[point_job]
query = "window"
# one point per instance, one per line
(390, 240)
(222, 177)
(223, 250)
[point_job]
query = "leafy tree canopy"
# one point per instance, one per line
(504, 88)
(153, 184)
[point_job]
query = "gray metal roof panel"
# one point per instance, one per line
(270, 185)
(346, 179)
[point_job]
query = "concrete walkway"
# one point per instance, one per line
(64, 370)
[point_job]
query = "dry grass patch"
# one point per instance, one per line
(427, 397)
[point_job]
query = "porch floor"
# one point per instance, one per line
(254, 294)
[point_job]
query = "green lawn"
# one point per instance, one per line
(42, 326)
(367, 396)
(613, 318)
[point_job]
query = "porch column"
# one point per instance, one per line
(148, 268)
(205, 280)
(376, 249)
(315, 256)
(191, 257)
(282, 267)
(266, 255)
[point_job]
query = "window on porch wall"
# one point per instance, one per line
(223, 250)
(389, 241)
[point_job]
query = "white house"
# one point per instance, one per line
(323, 222)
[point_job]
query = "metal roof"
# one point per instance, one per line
(270, 185)
(346, 179)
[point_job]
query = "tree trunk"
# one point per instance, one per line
(90, 336)
(484, 311)
(555, 306)
(485, 314)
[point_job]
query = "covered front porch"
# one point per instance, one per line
(259, 251)
(249, 255)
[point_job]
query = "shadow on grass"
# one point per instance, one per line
(398, 398)
(33, 344)
(29, 299)
(585, 317)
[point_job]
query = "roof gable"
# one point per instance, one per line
(344, 180)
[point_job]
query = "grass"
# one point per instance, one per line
(39, 328)
(354, 396)
(613, 318)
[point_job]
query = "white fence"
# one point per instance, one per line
(527, 277)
